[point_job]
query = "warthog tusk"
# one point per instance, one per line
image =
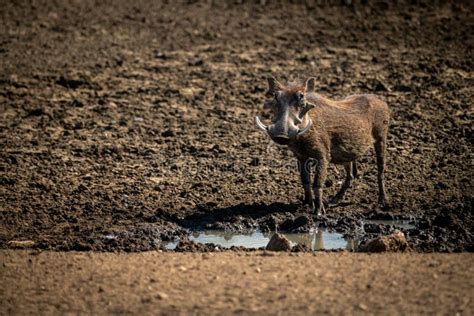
(307, 128)
(261, 125)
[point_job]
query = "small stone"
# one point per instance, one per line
(160, 55)
(278, 242)
(161, 296)
(21, 243)
(362, 306)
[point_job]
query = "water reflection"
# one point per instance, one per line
(322, 240)
(319, 239)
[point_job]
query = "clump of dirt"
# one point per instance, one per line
(122, 126)
(21, 244)
(190, 246)
(278, 242)
(395, 242)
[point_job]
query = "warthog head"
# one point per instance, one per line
(289, 107)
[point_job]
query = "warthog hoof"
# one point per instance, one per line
(383, 203)
(318, 212)
(312, 208)
(306, 201)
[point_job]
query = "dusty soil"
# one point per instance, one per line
(244, 283)
(136, 119)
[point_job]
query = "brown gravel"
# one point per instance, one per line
(244, 283)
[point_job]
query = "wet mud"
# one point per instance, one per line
(125, 126)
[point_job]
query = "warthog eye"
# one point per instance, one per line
(300, 98)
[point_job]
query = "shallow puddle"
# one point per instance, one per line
(318, 240)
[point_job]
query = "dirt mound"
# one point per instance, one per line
(278, 242)
(395, 242)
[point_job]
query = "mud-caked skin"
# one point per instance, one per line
(320, 131)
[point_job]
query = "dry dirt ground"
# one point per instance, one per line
(240, 283)
(136, 118)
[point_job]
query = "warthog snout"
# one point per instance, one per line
(284, 130)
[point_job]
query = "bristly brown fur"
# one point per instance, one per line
(342, 132)
(289, 88)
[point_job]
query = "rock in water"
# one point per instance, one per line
(394, 242)
(278, 242)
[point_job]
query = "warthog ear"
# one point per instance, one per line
(309, 85)
(273, 85)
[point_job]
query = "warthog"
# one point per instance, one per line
(322, 130)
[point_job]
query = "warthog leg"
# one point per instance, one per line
(347, 183)
(319, 180)
(355, 173)
(305, 174)
(380, 145)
